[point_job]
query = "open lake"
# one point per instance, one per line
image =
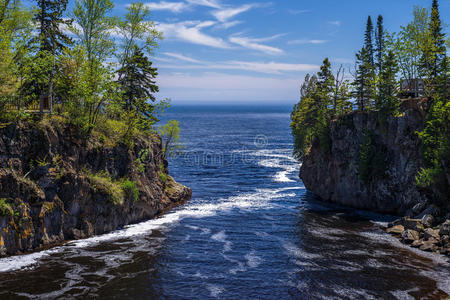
(251, 231)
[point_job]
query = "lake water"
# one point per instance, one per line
(251, 231)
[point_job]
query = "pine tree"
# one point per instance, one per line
(433, 63)
(51, 40)
(138, 84)
(379, 43)
(387, 98)
(364, 83)
(368, 40)
(325, 83)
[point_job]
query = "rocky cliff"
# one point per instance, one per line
(335, 173)
(56, 186)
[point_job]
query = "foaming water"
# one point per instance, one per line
(251, 231)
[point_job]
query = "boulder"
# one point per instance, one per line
(410, 236)
(397, 229)
(428, 246)
(444, 229)
(417, 243)
(431, 210)
(427, 220)
(431, 233)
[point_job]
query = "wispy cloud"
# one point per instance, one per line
(191, 32)
(257, 67)
(224, 14)
(175, 7)
(227, 25)
(306, 41)
(182, 57)
(209, 3)
(335, 23)
(255, 44)
(298, 11)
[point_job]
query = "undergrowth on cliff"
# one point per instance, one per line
(130, 190)
(162, 175)
(6, 208)
(372, 163)
(117, 191)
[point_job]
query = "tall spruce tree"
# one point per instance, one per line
(364, 84)
(368, 40)
(138, 85)
(52, 39)
(325, 83)
(379, 43)
(387, 101)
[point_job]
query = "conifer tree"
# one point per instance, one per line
(326, 82)
(364, 83)
(368, 40)
(137, 84)
(379, 43)
(387, 101)
(51, 38)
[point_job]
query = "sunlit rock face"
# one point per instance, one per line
(334, 174)
(49, 194)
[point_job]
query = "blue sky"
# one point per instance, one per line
(238, 51)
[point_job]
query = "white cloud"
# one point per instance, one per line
(258, 67)
(255, 44)
(306, 41)
(335, 23)
(191, 32)
(227, 25)
(175, 7)
(227, 13)
(298, 11)
(209, 3)
(182, 57)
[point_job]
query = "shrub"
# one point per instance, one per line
(103, 183)
(130, 190)
(5, 208)
(162, 175)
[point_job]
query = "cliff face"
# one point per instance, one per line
(55, 186)
(334, 175)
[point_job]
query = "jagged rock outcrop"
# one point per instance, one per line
(334, 173)
(56, 186)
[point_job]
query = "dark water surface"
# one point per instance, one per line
(251, 231)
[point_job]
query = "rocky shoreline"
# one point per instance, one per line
(56, 186)
(420, 233)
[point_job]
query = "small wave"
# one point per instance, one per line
(253, 261)
(222, 237)
(215, 290)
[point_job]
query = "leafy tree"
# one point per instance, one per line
(407, 44)
(137, 31)
(170, 136)
(93, 32)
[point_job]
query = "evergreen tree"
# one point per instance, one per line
(368, 40)
(325, 83)
(364, 84)
(138, 85)
(387, 98)
(434, 63)
(379, 43)
(51, 40)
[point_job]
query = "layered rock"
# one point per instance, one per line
(334, 174)
(51, 190)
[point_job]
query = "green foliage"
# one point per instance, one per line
(140, 161)
(372, 161)
(5, 208)
(170, 135)
(104, 184)
(387, 101)
(162, 175)
(130, 190)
